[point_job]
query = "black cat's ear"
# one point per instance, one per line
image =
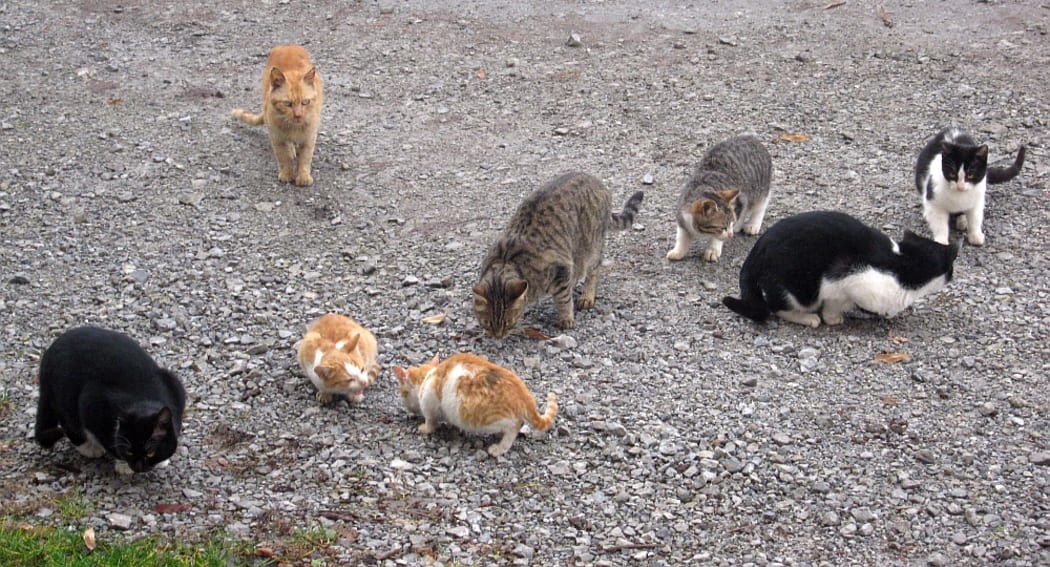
(276, 77)
(517, 288)
(982, 152)
(946, 146)
(163, 423)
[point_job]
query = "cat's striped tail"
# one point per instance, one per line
(544, 422)
(248, 117)
(625, 219)
(757, 311)
(1001, 174)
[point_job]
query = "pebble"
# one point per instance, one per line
(119, 521)
(925, 456)
(574, 40)
(781, 438)
(1041, 458)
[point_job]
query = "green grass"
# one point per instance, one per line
(72, 506)
(46, 547)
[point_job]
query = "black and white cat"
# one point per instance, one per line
(822, 264)
(952, 176)
(102, 391)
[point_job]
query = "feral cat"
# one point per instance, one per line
(339, 357)
(829, 262)
(102, 391)
(475, 395)
(728, 192)
(555, 238)
(292, 96)
(952, 176)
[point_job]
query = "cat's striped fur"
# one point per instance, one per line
(475, 395)
(732, 180)
(555, 239)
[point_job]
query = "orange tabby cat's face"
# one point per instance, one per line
(715, 216)
(294, 96)
(409, 380)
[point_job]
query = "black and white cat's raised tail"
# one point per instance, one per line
(102, 391)
(952, 175)
(821, 264)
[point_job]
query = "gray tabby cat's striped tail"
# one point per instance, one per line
(625, 219)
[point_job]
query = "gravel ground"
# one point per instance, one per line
(130, 199)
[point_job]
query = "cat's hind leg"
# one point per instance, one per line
(681, 245)
(510, 433)
(800, 318)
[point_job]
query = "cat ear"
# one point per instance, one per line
(517, 288)
(276, 77)
(309, 76)
(352, 343)
(703, 207)
(480, 294)
(982, 152)
(323, 373)
(401, 374)
(729, 194)
(434, 360)
(160, 428)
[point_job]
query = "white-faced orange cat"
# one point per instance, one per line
(474, 395)
(292, 97)
(339, 357)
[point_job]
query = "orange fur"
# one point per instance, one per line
(292, 96)
(346, 364)
(474, 395)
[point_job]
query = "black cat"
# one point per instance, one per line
(825, 263)
(100, 389)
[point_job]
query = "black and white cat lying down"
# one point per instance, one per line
(819, 265)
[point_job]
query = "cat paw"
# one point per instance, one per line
(357, 397)
(751, 229)
(712, 255)
(163, 464)
(284, 176)
(569, 323)
(960, 222)
(304, 179)
(584, 302)
(426, 428)
(91, 450)
(675, 254)
(325, 397)
(123, 469)
(497, 450)
(832, 319)
(976, 239)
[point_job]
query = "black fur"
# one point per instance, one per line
(796, 254)
(957, 148)
(101, 381)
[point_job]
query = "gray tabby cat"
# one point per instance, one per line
(554, 239)
(733, 179)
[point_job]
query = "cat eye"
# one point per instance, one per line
(151, 454)
(288, 103)
(306, 101)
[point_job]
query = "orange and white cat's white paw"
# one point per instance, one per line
(498, 450)
(713, 254)
(975, 238)
(304, 179)
(123, 469)
(426, 428)
(356, 397)
(675, 254)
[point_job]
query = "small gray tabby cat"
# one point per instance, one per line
(555, 238)
(732, 179)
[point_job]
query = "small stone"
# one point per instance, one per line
(781, 439)
(191, 199)
(400, 465)
(647, 179)
(937, 559)
(409, 281)
(139, 276)
(988, 409)
(462, 532)
(561, 131)
(862, 515)
(925, 456)
(119, 521)
(829, 519)
(733, 465)
(18, 280)
(565, 342)
(1041, 458)
(165, 324)
(749, 382)
(574, 40)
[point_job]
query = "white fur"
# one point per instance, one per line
(91, 448)
(950, 198)
(871, 290)
(354, 392)
(123, 469)
(435, 410)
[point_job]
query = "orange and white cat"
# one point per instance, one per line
(292, 97)
(339, 357)
(475, 395)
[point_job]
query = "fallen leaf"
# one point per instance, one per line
(263, 552)
(170, 508)
(886, 21)
(89, 539)
(897, 339)
(435, 319)
(835, 5)
(535, 335)
(115, 101)
(481, 73)
(793, 137)
(889, 400)
(892, 357)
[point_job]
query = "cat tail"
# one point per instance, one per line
(248, 117)
(1001, 174)
(543, 422)
(625, 219)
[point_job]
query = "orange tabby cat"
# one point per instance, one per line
(339, 357)
(292, 97)
(474, 395)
